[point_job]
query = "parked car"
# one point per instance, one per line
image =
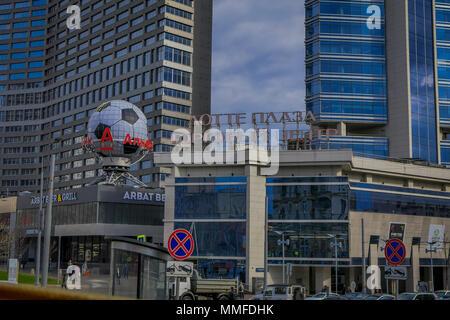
(335, 297)
(281, 292)
(259, 296)
(417, 296)
(380, 297)
(443, 294)
(323, 296)
(356, 295)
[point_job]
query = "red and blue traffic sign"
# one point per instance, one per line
(395, 251)
(180, 244)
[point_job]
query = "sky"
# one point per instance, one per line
(258, 56)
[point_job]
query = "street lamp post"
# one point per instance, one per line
(335, 245)
(431, 250)
(266, 245)
(48, 225)
(282, 242)
(386, 265)
(39, 226)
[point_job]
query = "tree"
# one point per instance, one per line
(5, 238)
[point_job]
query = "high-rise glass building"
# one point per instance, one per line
(153, 53)
(377, 71)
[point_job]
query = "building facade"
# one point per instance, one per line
(83, 221)
(152, 53)
(314, 195)
(376, 72)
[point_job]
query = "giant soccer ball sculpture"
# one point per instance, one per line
(117, 135)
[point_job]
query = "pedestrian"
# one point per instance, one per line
(326, 289)
(85, 268)
(118, 275)
(125, 271)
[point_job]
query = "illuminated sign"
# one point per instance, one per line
(144, 196)
(60, 197)
(107, 137)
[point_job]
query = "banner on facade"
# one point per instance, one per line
(436, 234)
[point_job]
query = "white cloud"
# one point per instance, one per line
(258, 55)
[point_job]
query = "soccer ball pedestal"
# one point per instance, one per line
(118, 137)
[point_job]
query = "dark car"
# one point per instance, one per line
(335, 297)
(417, 296)
(356, 295)
(443, 294)
(380, 297)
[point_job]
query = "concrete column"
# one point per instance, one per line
(256, 194)
(352, 276)
(414, 270)
(410, 183)
(300, 275)
(169, 205)
(323, 277)
(373, 254)
(342, 129)
(275, 275)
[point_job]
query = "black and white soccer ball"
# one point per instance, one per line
(125, 121)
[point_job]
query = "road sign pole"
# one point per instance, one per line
(336, 270)
(282, 243)
(266, 230)
(177, 288)
(39, 225)
(432, 275)
(363, 257)
(396, 288)
(387, 280)
(48, 225)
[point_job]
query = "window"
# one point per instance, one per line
(33, 54)
(176, 11)
(122, 15)
(137, 33)
(37, 43)
(137, 8)
(108, 34)
(17, 76)
(37, 23)
(175, 25)
(35, 64)
(37, 13)
(150, 27)
(121, 52)
(24, 14)
(122, 40)
(95, 40)
(109, 22)
(174, 38)
(122, 27)
(37, 33)
(135, 98)
(109, 10)
(96, 28)
(136, 46)
(82, 46)
(137, 21)
(19, 25)
(19, 45)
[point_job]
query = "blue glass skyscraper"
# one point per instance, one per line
(377, 72)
